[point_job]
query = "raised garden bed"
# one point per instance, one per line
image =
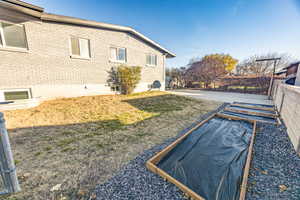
(210, 161)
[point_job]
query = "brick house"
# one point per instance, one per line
(49, 56)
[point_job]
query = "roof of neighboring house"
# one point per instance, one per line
(292, 65)
(282, 71)
(39, 13)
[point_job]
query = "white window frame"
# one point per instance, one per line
(4, 46)
(2, 96)
(115, 60)
(76, 56)
(151, 65)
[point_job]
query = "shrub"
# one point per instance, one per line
(129, 77)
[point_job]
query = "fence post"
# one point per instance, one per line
(275, 93)
(7, 165)
(281, 103)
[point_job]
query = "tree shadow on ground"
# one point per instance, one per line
(160, 104)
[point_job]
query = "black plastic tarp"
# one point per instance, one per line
(211, 159)
(252, 110)
(249, 116)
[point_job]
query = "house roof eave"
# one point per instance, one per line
(38, 12)
(292, 64)
(26, 5)
(22, 9)
(78, 21)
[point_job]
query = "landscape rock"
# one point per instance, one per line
(56, 188)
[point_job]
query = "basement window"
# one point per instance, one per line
(16, 95)
(80, 48)
(12, 36)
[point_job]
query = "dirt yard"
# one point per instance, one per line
(64, 148)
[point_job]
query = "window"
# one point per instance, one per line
(151, 60)
(80, 47)
(16, 95)
(12, 35)
(118, 54)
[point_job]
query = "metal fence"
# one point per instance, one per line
(7, 165)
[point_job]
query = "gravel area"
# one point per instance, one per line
(135, 182)
(275, 167)
(274, 174)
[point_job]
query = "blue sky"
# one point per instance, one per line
(194, 28)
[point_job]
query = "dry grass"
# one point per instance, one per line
(81, 142)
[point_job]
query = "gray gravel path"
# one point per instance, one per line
(135, 182)
(275, 167)
(273, 153)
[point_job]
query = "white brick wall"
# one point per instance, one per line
(50, 72)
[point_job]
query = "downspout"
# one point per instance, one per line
(164, 71)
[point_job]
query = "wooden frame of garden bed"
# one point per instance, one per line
(151, 163)
(250, 112)
(253, 107)
(246, 119)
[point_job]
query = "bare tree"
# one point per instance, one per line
(250, 66)
(194, 60)
(262, 70)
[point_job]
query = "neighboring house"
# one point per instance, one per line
(48, 56)
(292, 74)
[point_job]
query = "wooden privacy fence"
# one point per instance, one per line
(257, 84)
(244, 84)
(7, 165)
